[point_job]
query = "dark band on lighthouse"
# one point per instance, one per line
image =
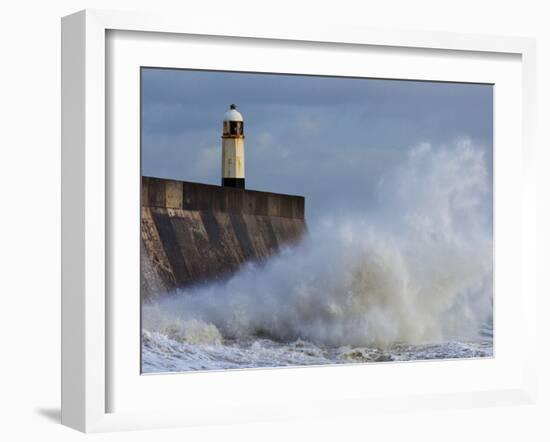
(233, 149)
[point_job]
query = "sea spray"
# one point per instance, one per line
(416, 271)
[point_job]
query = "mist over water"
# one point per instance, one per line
(412, 280)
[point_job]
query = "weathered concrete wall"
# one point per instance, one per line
(192, 233)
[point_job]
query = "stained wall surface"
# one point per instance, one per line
(192, 233)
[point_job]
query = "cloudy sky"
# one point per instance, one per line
(329, 139)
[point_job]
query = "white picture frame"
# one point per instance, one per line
(87, 210)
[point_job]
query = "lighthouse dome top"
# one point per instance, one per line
(233, 114)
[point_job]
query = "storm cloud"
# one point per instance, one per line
(330, 139)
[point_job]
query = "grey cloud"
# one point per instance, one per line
(329, 139)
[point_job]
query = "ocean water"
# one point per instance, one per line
(162, 354)
(412, 280)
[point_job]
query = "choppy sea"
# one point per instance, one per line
(162, 354)
(412, 281)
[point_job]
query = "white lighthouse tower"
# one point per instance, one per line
(233, 149)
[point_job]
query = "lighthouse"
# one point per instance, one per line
(233, 149)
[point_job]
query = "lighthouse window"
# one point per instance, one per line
(235, 128)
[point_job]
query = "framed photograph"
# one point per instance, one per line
(289, 222)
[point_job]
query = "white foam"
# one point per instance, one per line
(418, 271)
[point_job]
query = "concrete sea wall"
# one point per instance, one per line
(192, 233)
